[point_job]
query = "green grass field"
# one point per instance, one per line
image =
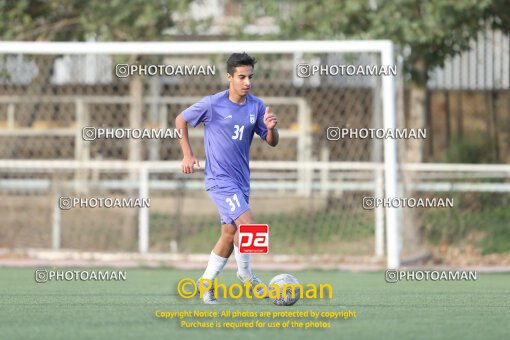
(125, 309)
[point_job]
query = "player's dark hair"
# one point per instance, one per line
(239, 59)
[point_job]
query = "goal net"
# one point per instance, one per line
(80, 122)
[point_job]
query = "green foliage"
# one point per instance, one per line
(499, 13)
(454, 226)
(475, 148)
(427, 32)
(55, 20)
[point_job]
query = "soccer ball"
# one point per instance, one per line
(286, 298)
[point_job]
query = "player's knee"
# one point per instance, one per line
(227, 238)
(227, 234)
(246, 218)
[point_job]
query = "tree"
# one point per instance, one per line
(117, 20)
(426, 33)
(54, 20)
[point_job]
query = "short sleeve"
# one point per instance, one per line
(199, 112)
(260, 127)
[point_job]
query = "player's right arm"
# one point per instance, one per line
(189, 159)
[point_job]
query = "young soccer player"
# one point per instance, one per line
(230, 118)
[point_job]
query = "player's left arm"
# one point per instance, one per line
(270, 121)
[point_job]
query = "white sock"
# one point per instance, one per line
(243, 263)
(214, 266)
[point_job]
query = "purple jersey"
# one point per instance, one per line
(228, 132)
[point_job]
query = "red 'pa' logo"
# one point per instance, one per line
(254, 238)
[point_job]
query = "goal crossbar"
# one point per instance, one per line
(384, 47)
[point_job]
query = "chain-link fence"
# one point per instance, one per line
(309, 189)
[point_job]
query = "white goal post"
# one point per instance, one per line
(388, 83)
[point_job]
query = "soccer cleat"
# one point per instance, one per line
(208, 298)
(255, 281)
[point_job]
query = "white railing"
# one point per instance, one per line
(82, 148)
(318, 183)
